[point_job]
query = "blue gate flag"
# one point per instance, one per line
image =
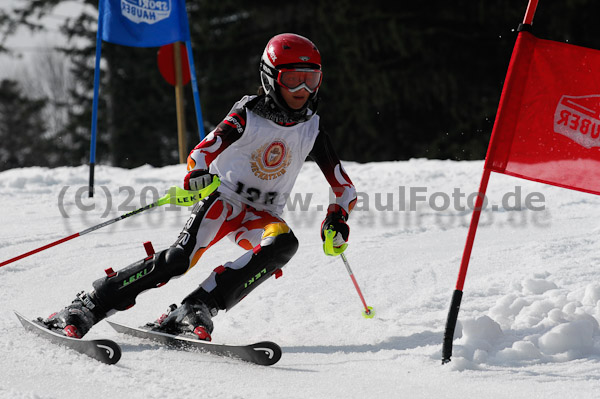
(144, 23)
(140, 23)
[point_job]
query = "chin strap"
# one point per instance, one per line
(268, 108)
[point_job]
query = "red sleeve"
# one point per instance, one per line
(324, 155)
(225, 134)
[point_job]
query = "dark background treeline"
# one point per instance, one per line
(401, 79)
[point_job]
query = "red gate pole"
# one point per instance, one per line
(531, 7)
(462, 274)
(464, 264)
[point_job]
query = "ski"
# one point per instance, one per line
(262, 353)
(103, 350)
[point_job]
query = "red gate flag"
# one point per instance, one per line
(548, 123)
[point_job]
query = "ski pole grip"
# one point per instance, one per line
(328, 247)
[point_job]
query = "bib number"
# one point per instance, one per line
(255, 195)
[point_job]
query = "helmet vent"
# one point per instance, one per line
(286, 47)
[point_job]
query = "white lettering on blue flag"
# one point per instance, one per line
(148, 11)
(143, 23)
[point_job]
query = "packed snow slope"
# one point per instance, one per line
(528, 325)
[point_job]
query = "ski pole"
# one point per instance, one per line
(330, 250)
(175, 195)
(368, 313)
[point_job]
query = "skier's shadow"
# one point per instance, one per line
(394, 343)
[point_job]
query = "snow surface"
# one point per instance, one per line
(528, 325)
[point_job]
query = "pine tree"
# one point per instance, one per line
(401, 80)
(21, 129)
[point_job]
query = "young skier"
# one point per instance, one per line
(257, 152)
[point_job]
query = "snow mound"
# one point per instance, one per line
(537, 322)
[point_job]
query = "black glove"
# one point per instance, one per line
(196, 180)
(336, 221)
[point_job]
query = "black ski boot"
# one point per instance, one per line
(76, 319)
(190, 318)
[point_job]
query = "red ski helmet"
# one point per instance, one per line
(294, 62)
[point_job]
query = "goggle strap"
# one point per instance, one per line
(272, 72)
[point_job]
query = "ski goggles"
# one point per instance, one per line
(300, 78)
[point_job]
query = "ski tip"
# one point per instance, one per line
(23, 319)
(103, 350)
(267, 353)
(109, 352)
